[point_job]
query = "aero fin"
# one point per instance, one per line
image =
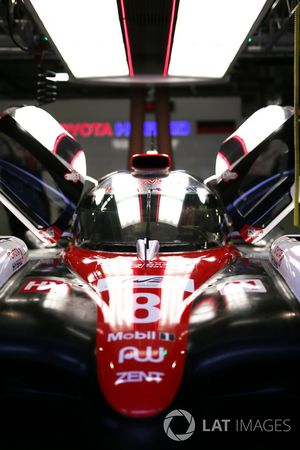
(149, 253)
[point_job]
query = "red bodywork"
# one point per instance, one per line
(143, 317)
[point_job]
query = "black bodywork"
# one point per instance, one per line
(241, 363)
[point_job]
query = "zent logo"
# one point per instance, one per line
(139, 376)
(148, 355)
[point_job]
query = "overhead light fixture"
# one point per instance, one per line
(170, 35)
(87, 35)
(208, 36)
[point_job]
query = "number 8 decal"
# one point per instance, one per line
(151, 307)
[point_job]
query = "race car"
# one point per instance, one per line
(147, 294)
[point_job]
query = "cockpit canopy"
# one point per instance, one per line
(177, 210)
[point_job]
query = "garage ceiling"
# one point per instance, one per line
(262, 73)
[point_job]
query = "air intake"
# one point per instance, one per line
(150, 162)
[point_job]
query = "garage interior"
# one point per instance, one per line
(203, 112)
(114, 117)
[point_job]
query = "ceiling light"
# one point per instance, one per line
(87, 35)
(209, 35)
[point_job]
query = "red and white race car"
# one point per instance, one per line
(148, 303)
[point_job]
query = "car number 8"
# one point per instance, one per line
(151, 306)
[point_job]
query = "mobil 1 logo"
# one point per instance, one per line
(140, 335)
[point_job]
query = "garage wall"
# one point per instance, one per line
(101, 126)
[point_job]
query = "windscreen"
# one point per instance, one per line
(177, 210)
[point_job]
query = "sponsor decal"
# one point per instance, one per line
(178, 265)
(89, 129)
(250, 233)
(151, 181)
(151, 184)
(277, 256)
(163, 336)
(44, 286)
(150, 265)
(229, 176)
(154, 185)
(140, 335)
(17, 264)
(17, 258)
(108, 188)
(72, 176)
(120, 336)
(148, 184)
(139, 376)
(136, 354)
(123, 129)
(191, 188)
(143, 281)
(51, 233)
(245, 285)
(15, 253)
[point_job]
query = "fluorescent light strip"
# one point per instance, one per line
(208, 35)
(169, 44)
(86, 34)
(127, 42)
